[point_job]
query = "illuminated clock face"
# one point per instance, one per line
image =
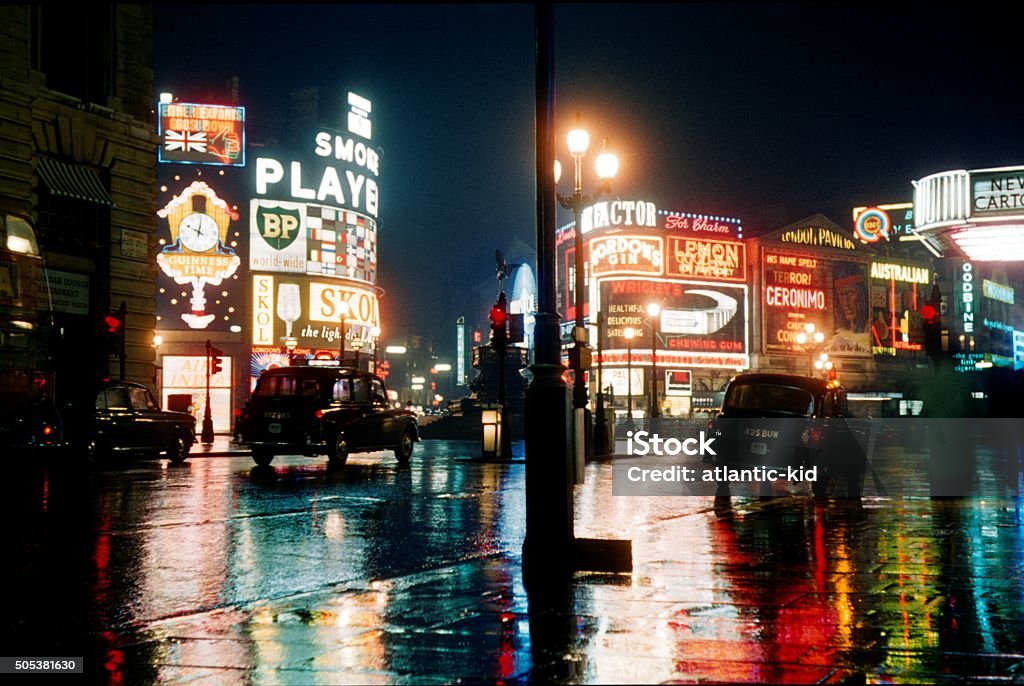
(198, 232)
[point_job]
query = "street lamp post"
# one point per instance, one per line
(811, 339)
(343, 310)
(357, 345)
(629, 334)
(600, 423)
(607, 166)
(375, 335)
(654, 311)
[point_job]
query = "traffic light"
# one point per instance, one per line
(216, 361)
(114, 330)
(499, 321)
(931, 323)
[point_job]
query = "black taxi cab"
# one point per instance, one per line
(323, 410)
(785, 420)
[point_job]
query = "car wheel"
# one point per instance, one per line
(403, 451)
(262, 457)
(339, 451)
(178, 452)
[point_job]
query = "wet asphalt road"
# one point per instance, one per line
(217, 572)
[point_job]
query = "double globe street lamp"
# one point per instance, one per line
(812, 340)
(607, 166)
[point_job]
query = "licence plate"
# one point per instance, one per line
(759, 448)
(274, 428)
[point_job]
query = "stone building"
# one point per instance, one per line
(78, 153)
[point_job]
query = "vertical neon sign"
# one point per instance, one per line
(460, 342)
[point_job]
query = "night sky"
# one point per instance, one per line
(765, 112)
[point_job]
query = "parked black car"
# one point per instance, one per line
(333, 411)
(32, 427)
(786, 420)
(123, 418)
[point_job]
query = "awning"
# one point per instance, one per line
(73, 181)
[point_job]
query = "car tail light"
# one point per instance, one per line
(319, 414)
(813, 436)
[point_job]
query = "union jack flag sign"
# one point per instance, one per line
(186, 141)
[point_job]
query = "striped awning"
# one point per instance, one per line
(73, 181)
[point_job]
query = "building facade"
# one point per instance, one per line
(79, 166)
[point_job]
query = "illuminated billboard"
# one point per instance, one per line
(201, 134)
(345, 175)
(310, 310)
(186, 374)
(198, 251)
(696, 317)
(305, 238)
(802, 288)
(699, 258)
(625, 254)
(898, 291)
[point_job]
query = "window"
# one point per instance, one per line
(142, 400)
(342, 391)
(361, 389)
(73, 46)
(310, 388)
(783, 399)
(276, 386)
(113, 398)
(378, 391)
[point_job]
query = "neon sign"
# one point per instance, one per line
(872, 225)
(202, 134)
(702, 258)
(618, 213)
(900, 272)
(626, 255)
(352, 184)
(307, 318)
(197, 254)
(818, 236)
(312, 239)
(967, 296)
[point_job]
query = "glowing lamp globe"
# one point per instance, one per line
(578, 141)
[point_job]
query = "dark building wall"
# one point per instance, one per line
(103, 55)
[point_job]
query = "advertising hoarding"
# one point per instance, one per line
(186, 374)
(806, 288)
(305, 238)
(310, 310)
(898, 291)
(707, 318)
(201, 134)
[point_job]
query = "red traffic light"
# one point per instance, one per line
(113, 323)
(929, 313)
(497, 316)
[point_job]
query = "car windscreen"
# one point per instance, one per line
(771, 398)
(287, 386)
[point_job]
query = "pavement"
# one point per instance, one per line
(222, 446)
